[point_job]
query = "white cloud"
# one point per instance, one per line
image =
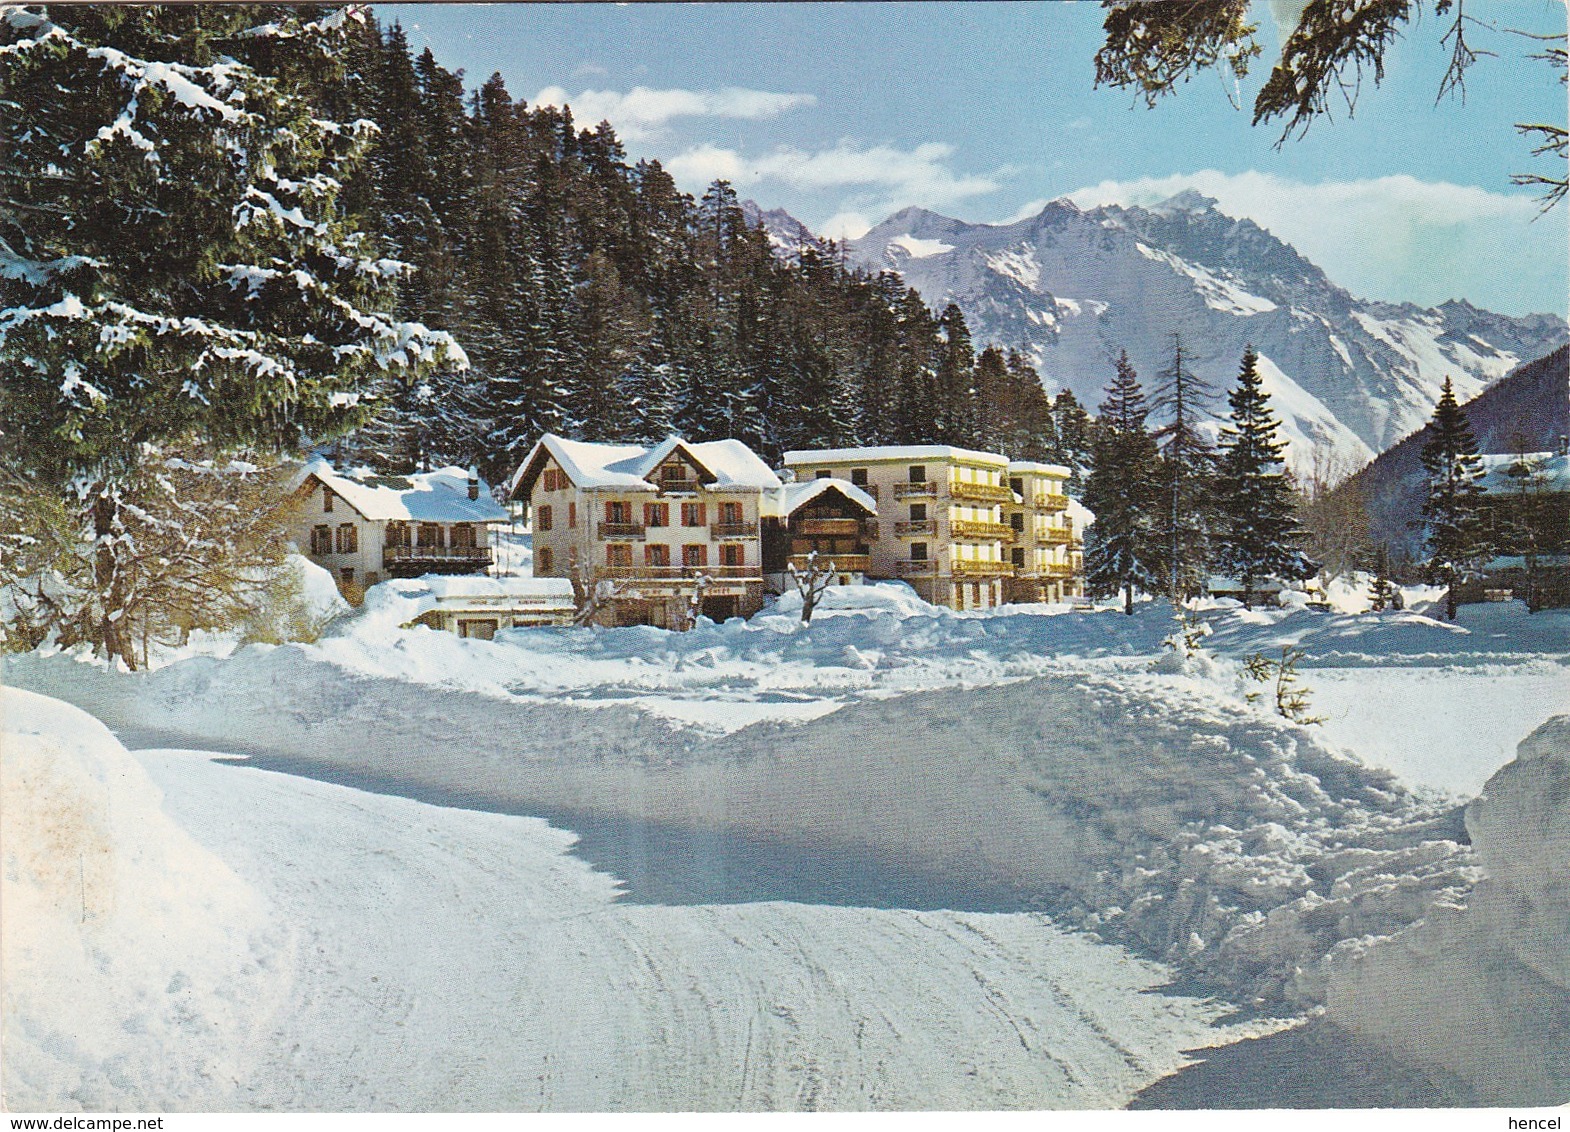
(882, 178)
(1023, 212)
(1394, 237)
(640, 113)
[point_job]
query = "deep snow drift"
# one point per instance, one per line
(1482, 987)
(139, 969)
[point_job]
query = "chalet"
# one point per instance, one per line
(1526, 518)
(831, 518)
(941, 526)
(365, 527)
(652, 522)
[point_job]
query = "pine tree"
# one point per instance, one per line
(1072, 438)
(1456, 542)
(1186, 473)
(1381, 593)
(1122, 547)
(178, 262)
(1257, 535)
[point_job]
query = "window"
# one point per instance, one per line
(463, 536)
(1017, 485)
(918, 473)
(657, 554)
(618, 554)
(321, 540)
(348, 538)
(918, 512)
(656, 514)
(542, 560)
(1018, 554)
(1017, 521)
(618, 512)
(675, 477)
(553, 480)
(572, 514)
(733, 554)
(397, 534)
(858, 476)
(824, 473)
(695, 554)
(730, 513)
(918, 552)
(430, 536)
(327, 500)
(694, 514)
(542, 518)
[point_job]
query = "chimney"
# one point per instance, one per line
(474, 482)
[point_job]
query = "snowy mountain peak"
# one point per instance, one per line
(1072, 288)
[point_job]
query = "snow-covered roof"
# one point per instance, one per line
(791, 497)
(434, 497)
(1030, 468)
(893, 452)
(479, 585)
(729, 463)
(1550, 472)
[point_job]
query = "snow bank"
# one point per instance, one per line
(138, 967)
(1483, 987)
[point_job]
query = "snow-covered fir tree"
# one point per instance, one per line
(1123, 546)
(1457, 543)
(1257, 532)
(176, 261)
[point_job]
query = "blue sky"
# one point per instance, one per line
(844, 113)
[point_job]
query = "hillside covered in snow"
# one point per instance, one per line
(1072, 287)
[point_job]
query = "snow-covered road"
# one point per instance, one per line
(452, 959)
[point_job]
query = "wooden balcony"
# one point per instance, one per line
(733, 530)
(1049, 501)
(621, 530)
(980, 568)
(842, 528)
(678, 574)
(907, 527)
(677, 487)
(438, 559)
(923, 490)
(985, 492)
(1055, 536)
(836, 563)
(915, 566)
(971, 528)
(1055, 570)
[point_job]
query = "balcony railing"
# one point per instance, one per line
(848, 528)
(905, 527)
(926, 489)
(1056, 536)
(734, 530)
(840, 563)
(476, 555)
(986, 492)
(870, 488)
(678, 486)
(972, 528)
(621, 530)
(915, 566)
(1049, 501)
(981, 567)
(670, 574)
(1056, 570)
